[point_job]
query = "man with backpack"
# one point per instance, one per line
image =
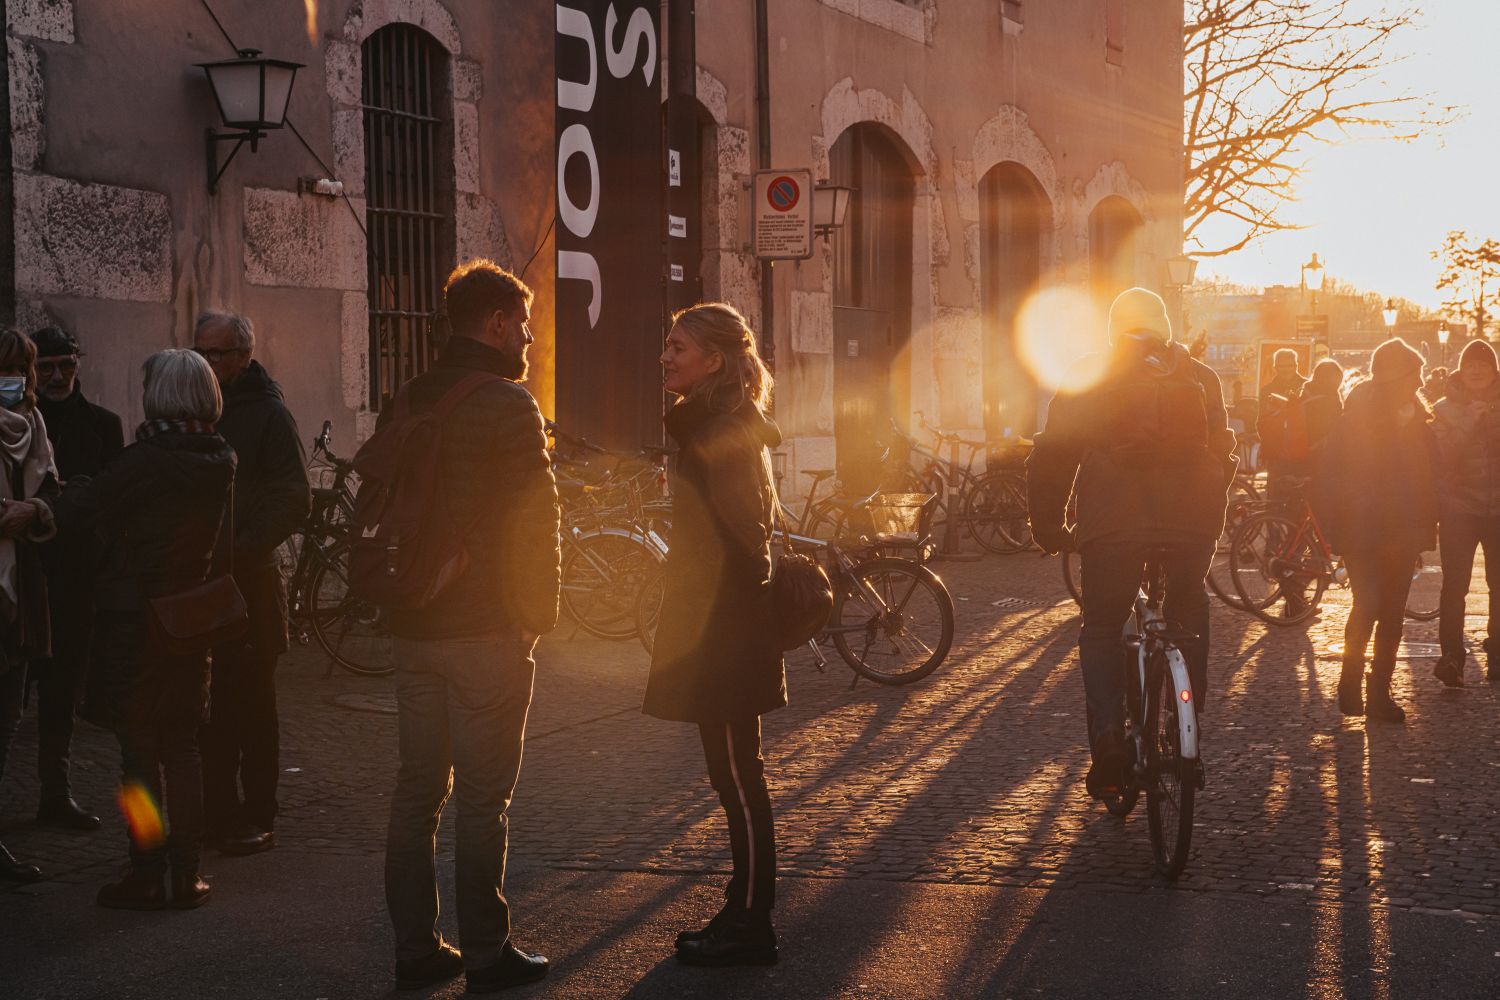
(455, 535)
(1146, 452)
(1282, 425)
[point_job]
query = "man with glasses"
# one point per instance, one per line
(241, 743)
(84, 437)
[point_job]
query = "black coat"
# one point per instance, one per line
(497, 486)
(716, 656)
(155, 512)
(84, 437)
(1377, 485)
(271, 499)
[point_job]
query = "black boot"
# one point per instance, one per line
(12, 870)
(1378, 703)
(727, 913)
(1351, 683)
(136, 891)
(743, 939)
(1449, 670)
(189, 891)
(62, 812)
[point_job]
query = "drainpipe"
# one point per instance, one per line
(763, 137)
(7, 196)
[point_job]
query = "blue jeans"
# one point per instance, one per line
(1111, 571)
(462, 705)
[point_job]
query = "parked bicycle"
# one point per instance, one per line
(989, 506)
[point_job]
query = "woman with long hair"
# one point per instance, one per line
(159, 513)
(1380, 513)
(717, 662)
(28, 480)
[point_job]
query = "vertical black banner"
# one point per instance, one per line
(609, 217)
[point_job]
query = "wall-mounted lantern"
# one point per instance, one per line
(252, 94)
(830, 205)
(1181, 270)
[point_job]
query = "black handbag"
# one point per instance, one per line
(801, 593)
(210, 614)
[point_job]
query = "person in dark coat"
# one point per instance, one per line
(84, 436)
(1147, 453)
(1325, 404)
(1378, 488)
(157, 512)
(28, 482)
(717, 662)
(1467, 425)
(241, 743)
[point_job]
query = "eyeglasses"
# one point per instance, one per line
(68, 366)
(213, 355)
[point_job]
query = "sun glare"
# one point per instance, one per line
(1060, 338)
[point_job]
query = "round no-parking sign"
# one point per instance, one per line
(783, 223)
(783, 193)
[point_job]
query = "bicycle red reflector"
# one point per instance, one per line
(1186, 696)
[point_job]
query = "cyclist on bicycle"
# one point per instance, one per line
(1148, 456)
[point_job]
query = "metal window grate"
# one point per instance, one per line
(408, 183)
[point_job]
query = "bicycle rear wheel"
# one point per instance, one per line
(1277, 568)
(1220, 575)
(602, 576)
(351, 632)
(905, 634)
(648, 608)
(995, 511)
(1072, 578)
(1426, 588)
(1172, 780)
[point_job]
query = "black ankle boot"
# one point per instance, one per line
(12, 870)
(727, 913)
(1380, 707)
(743, 939)
(189, 891)
(1351, 681)
(136, 891)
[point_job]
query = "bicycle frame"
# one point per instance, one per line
(844, 565)
(1144, 639)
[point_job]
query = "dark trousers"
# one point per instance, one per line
(12, 698)
(1111, 570)
(738, 773)
(56, 700)
(462, 706)
(1461, 535)
(1381, 581)
(242, 741)
(158, 758)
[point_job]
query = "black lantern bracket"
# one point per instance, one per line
(252, 94)
(213, 138)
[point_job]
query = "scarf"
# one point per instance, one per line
(26, 462)
(151, 428)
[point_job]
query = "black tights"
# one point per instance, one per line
(738, 774)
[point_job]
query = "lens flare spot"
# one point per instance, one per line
(1061, 339)
(311, 6)
(142, 816)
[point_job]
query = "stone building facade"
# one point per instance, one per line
(997, 148)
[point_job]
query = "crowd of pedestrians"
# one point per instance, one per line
(113, 557)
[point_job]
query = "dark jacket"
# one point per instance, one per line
(155, 512)
(1376, 487)
(1467, 427)
(498, 491)
(1322, 411)
(271, 496)
(1171, 489)
(84, 437)
(716, 656)
(28, 637)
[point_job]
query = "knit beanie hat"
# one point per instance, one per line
(1393, 359)
(1285, 358)
(1479, 354)
(1139, 311)
(52, 342)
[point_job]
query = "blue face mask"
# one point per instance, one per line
(12, 391)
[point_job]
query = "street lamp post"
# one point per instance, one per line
(1180, 272)
(1443, 342)
(1315, 265)
(1390, 314)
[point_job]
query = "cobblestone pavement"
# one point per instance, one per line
(973, 776)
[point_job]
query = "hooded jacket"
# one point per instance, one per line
(1377, 488)
(716, 655)
(271, 496)
(1173, 485)
(1467, 426)
(155, 513)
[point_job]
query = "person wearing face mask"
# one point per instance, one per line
(1467, 425)
(28, 488)
(1147, 453)
(1378, 487)
(84, 437)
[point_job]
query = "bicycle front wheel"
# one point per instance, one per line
(1278, 570)
(1172, 779)
(995, 510)
(351, 632)
(602, 575)
(893, 621)
(1426, 588)
(1072, 577)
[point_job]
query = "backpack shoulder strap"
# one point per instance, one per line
(465, 388)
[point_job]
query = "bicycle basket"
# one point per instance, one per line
(898, 516)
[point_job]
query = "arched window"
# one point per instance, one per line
(409, 200)
(1114, 229)
(1014, 213)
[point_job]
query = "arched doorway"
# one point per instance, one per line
(409, 245)
(1015, 215)
(872, 282)
(1114, 233)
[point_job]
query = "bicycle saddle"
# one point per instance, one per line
(818, 473)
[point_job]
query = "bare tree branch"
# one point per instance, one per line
(1470, 278)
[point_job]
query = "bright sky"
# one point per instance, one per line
(1374, 210)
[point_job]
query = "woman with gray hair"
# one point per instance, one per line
(157, 511)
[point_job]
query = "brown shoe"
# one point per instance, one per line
(189, 892)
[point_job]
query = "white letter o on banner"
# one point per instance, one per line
(580, 221)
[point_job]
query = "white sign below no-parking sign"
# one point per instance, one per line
(783, 215)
